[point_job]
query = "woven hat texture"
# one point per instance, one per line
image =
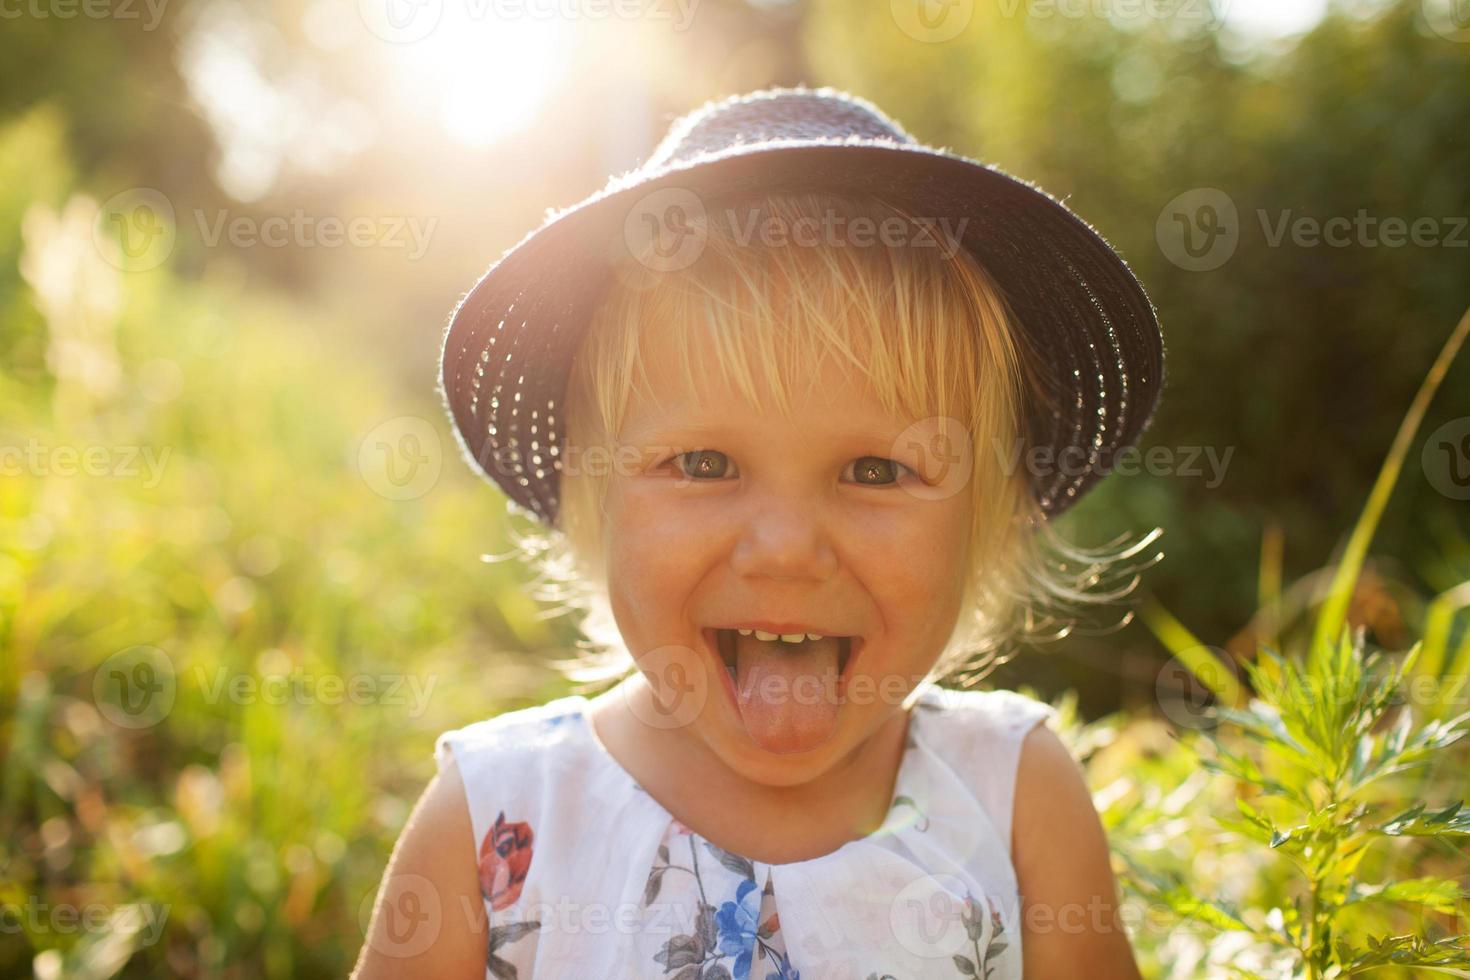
(1085, 322)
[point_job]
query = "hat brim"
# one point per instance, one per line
(1084, 318)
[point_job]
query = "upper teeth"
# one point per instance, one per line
(784, 637)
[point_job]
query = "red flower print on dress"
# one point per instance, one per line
(505, 857)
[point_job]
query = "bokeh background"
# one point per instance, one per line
(230, 236)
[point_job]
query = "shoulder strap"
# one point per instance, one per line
(510, 766)
(980, 734)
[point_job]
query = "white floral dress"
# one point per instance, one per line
(585, 875)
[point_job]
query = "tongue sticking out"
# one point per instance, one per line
(787, 692)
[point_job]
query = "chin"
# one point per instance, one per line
(776, 769)
(772, 764)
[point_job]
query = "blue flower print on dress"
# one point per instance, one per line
(729, 940)
(784, 970)
(737, 924)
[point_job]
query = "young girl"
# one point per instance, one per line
(796, 403)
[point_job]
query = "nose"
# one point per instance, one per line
(784, 539)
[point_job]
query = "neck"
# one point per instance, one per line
(847, 800)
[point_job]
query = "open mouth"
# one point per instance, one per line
(722, 641)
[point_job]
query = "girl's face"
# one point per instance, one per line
(841, 520)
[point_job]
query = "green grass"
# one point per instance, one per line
(312, 634)
(1347, 777)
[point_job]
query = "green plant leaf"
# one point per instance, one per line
(1408, 951)
(1334, 612)
(1437, 621)
(1413, 822)
(1439, 894)
(1188, 650)
(1194, 907)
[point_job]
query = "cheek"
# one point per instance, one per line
(915, 563)
(917, 546)
(651, 561)
(644, 534)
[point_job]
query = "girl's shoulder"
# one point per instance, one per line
(526, 758)
(532, 748)
(977, 735)
(541, 724)
(988, 713)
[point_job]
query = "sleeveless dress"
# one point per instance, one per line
(585, 875)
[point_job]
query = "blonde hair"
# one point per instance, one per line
(930, 329)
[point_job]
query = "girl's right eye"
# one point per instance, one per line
(703, 464)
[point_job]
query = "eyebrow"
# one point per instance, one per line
(662, 428)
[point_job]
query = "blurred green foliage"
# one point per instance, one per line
(266, 547)
(247, 544)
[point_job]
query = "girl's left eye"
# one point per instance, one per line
(701, 463)
(879, 467)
